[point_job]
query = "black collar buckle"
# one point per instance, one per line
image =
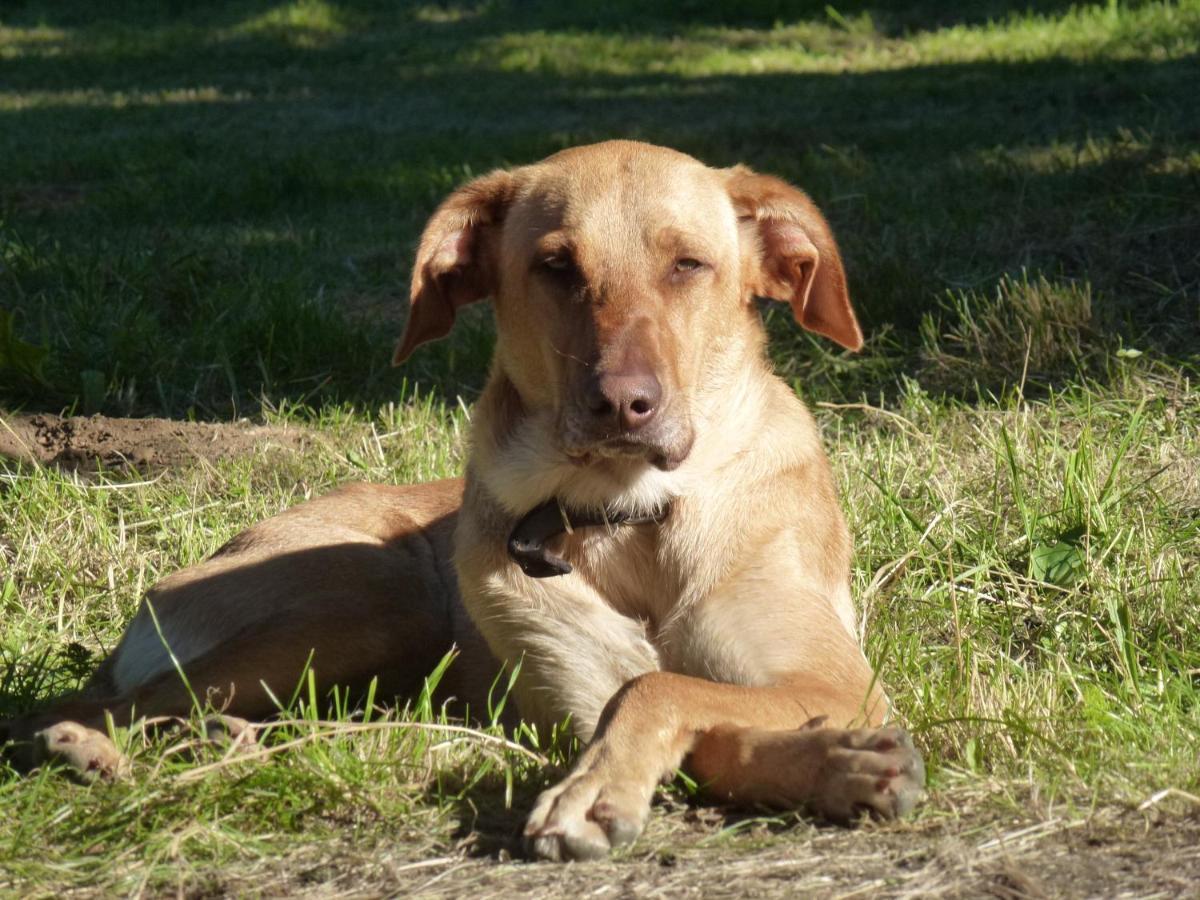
(527, 542)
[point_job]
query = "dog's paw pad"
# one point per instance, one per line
(87, 755)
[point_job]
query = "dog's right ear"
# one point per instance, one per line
(456, 262)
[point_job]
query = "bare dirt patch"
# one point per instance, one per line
(81, 442)
(1113, 853)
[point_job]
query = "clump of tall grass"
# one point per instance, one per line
(1025, 332)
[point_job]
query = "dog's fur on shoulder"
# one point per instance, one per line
(629, 377)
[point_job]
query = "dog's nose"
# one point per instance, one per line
(627, 401)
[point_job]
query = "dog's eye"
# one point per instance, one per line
(559, 262)
(687, 264)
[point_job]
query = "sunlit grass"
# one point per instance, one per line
(303, 23)
(1083, 34)
(832, 42)
(117, 100)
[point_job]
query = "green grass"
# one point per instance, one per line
(207, 212)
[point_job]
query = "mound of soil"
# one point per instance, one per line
(144, 444)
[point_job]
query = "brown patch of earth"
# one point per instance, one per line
(86, 442)
(1113, 853)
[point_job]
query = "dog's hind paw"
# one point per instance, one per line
(230, 732)
(86, 754)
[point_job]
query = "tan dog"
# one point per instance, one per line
(708, 624)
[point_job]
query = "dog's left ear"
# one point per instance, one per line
(789, 254)
(455, 262)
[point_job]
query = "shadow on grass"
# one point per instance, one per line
(359, 16)
(210, 209)
(491, 817)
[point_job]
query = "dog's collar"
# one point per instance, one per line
(527, 542)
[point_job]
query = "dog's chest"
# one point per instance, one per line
(629, 567)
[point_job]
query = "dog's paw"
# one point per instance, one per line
(88, 755)
(873, 771)
(584, 817)
(230, 733)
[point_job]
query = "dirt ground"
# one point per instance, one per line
(81, 443)
(1111, 854)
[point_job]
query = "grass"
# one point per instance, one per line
(207, 212)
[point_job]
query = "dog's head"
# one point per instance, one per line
(623, 277)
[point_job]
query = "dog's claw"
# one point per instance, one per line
(88, 755)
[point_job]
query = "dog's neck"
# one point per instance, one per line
(528, 539)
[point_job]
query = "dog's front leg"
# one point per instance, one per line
(791, 720)
(746, 745)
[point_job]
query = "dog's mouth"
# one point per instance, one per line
(624, 449)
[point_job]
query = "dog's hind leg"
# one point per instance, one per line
(348, 585)
(53, 735)
(241, 677)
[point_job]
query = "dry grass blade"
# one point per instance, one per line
(324, 729)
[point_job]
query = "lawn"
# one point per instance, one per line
(207, 214)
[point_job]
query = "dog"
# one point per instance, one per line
(647, 527)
